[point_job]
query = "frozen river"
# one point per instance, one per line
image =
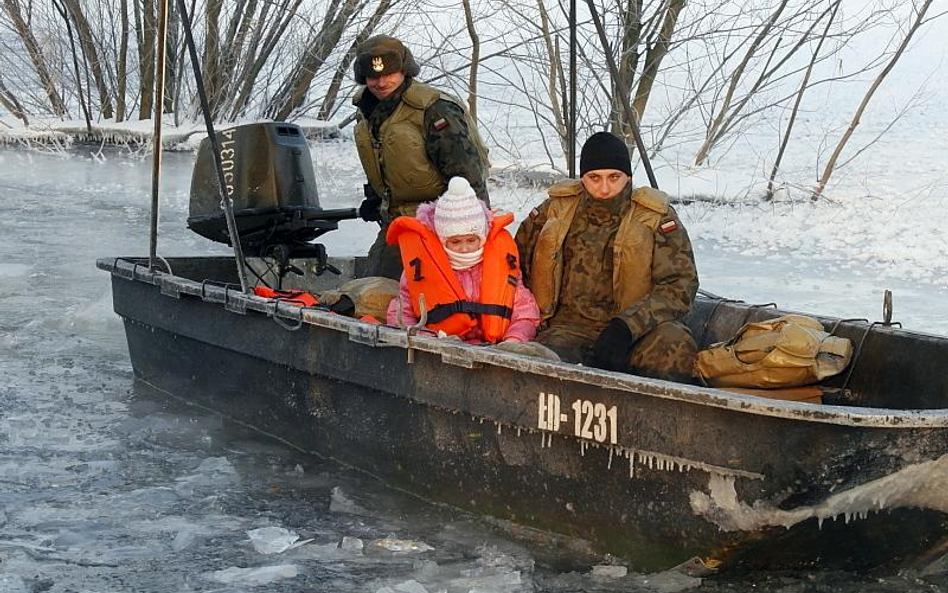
(107, 487)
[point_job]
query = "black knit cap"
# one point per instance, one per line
(382, 54)
(604, 150)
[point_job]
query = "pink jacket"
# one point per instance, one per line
(526, 314)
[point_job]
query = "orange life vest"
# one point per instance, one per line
(296, 297)
(429, 273)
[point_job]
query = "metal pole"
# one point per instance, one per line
(215, 149)
(571, 139)
(160, 60)
(623, 96)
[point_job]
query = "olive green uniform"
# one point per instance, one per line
(583, 277)
(410, 145)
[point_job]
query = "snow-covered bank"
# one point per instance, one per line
(132, 134)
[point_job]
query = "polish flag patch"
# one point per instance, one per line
(669, 226)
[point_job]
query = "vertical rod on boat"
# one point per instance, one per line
(623, 95)
(160, 60)
(215, 148)
(571, 133)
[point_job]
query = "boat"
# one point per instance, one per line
(853, 474)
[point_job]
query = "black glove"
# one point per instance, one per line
(369, 209)
(613, 347)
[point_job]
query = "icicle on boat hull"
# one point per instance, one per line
(653, 471)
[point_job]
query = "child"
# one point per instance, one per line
(463, 264)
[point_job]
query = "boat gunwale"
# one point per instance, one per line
(468, 355)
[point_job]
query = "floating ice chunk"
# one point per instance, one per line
(499, 581)
(254, 577)
(351, 544)
(340, 503)
(213, 471)
(670, 581)
(399, 546)
(183, 539)
(410, 586)
(11, 583)
(272, 540)
(607, 571)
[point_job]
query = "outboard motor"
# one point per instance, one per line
(269, 175)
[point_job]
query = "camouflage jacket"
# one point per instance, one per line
(412, 144)
(582, 276)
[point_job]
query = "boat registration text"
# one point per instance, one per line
(590, 420)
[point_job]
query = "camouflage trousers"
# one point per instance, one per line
(667, 352)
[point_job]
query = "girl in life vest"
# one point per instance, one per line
(462, 263)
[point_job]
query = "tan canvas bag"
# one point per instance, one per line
(787, 351)
(370, 296)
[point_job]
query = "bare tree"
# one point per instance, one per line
(11, 104)
(146, 26)
(321, 43)
(90, 55)
(121, 73)
(834, 7)
(475, 56)
(36, 56)
(918, 21)
(332, 94)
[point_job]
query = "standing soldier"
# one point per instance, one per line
(612, 269)
(412, 139)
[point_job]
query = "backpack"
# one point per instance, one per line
(787, 351)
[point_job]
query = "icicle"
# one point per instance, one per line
(609, 463)
(819, 522)
(499, 427)
(518, 431)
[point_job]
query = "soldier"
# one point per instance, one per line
(412, 139)
(612, 269)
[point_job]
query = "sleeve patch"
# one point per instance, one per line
(534, 213)
(440, 124)
(669, 226)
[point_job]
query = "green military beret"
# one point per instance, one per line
(382, 54)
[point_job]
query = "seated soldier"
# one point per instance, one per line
(461, 260)
(612, 269)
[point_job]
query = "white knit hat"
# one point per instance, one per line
(459, 212)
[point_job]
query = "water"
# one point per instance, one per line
(107, 486)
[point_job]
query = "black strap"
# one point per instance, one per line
(442, 312)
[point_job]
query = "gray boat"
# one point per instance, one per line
(653, 471)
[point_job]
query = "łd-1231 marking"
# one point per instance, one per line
(591, 420)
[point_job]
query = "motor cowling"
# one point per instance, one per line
(269, 177)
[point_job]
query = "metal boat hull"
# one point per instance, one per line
(641, 468)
